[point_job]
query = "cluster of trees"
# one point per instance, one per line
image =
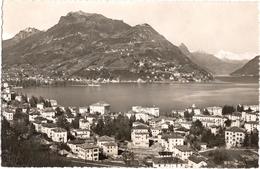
(34, 100)
(198, 133)
(251, 140)
(19, 152)
(119, 127)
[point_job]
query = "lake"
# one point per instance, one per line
(176, 96)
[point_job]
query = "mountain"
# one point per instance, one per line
(225, 55)
(211, 63)
(23, 34)
(91, 46)
(251, 68)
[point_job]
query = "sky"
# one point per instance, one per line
(213, 27)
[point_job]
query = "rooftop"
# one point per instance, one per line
(165, 153)
(142, 127)
(172, 136)
(105, 138)
(235, 129)
(49, 125)
(196, 159)
(167, 160)
(59, 130)
(110, 144)
(87, 146)
(101, 103)
(183, 148)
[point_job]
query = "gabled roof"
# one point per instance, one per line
(141, 127)
(183, 148)
(49, 125)
(167, 160)
(87, 146)
(100, 103)
(110, 144)
(165, 153)
(59, 130)
(235, 129)
(172, 136)
(105, 138)
(196, 159)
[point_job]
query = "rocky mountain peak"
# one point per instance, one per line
(25, 33)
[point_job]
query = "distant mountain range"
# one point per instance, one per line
(251, 68)
(211, 63)
(91, 46)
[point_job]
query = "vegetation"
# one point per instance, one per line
(119, 127)
(228, 110)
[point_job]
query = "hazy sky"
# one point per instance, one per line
(207, 26)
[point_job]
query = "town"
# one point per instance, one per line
(93, 135)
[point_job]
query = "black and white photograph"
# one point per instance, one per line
(130, 84)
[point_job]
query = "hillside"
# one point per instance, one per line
(91, 46)
(251, 68)
(211, 63)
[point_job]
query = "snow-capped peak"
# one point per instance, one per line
(225, 55)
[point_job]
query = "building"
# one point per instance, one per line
(215, 110)
(234, 116)
(8, 114)
(18, 98)
(183, 152)
(104, 139)
(80, 133)
(153, 111)
(251, 107)
(33, 115)
(168, 162)
(208, 120)
(100, 107)
(59, 135)
(110, 149)
(47, 128)
(88, 151)
(142, 115)
(251, 125)
(140, 136)
(234, 137)
(48, 113)
(197, 161)
(40, 106)
(235, 123)
(170, 141)
(73, 145)
(249, 116)
(155, 131)
(84, 124)
(83, 110)
(53, 103)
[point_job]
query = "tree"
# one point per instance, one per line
(128, 157)
(206, 112)
(75, 122)
(132, 120)
(228, 123)
(63, 123)
(228, 110)
(33, 101)
(196, 128)
(59, 112)
(240, 108)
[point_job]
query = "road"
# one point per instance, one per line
(94, 164)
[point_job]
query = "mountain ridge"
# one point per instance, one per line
(84, 45)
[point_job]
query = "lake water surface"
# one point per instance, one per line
(122, 97)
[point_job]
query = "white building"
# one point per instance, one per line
(207, 121)
(8, 114)
(251, 125)
(84, 124)
(33, 115)
(252, 107)
(153, 111)
(18, 98)
(40, 106)
(110, 149)
(168, 162)
(83, 110)
(234, 116)
(249, 116)
(197, 162)
(235, 123)
(80, 133)
(59, 135)
(140, 136)
(49, 114)
(234, 137)
(155, 131)
(88, 151)
(47, 128)
(215, 110)
(183, 152)
(170, 141)
(53, 103)
(100, 107)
